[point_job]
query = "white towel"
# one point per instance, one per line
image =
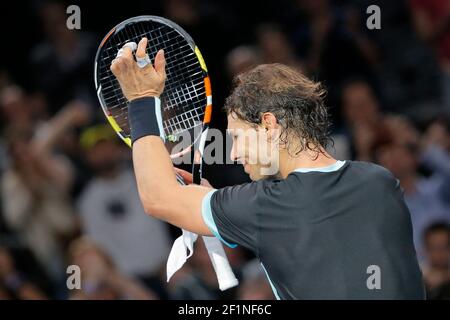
(178, 256)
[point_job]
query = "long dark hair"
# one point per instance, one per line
(296, 101)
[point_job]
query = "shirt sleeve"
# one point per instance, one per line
(233, 214)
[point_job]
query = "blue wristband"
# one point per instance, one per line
(145, 118)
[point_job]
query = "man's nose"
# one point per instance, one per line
(233, 153)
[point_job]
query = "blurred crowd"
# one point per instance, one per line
(67, 189)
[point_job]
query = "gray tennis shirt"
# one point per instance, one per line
(338, 232)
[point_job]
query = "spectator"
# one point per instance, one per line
(275, 46)
(63, 61)
(401, 130)
(406, 73)
(323, 34)
(100, 280)
(35, 188)
(241, 59)
(426, 197)
(255, 285)
(436, 268)
(363, 119)
(16, 112)
(432, 21)
(111, 212)
(14, 284)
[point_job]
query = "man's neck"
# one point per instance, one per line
(304, 160)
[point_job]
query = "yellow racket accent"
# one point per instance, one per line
(127, 141)
(200, 58)
(117, 129)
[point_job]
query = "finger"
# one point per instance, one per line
(124, 57)
(131, 45)
(127, 56)
(117, 66)
(187, 176)
(143, 62)
(142, 57)
(160, 63)
(142, 48)
(114, 67)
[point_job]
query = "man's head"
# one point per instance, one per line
(400, 159)
(102, 149)
(14, 105)
(275, 112)
(241, 59)
(359, 103)
(437, 245)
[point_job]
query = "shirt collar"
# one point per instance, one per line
(331, 168)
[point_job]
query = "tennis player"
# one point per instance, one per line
(322, 228)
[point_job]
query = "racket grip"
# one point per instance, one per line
(225, 275)
(197, 173)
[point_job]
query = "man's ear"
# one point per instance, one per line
(270, 124)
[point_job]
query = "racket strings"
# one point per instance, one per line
(183, 100)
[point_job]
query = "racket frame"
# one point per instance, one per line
(199, 141)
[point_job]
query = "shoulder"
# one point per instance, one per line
(370, 168)
(373, 173)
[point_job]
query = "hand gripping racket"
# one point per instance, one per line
(186, 102)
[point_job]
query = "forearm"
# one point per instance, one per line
(18, 204)
(160, 193)
(56, 169)
(49, 134)
(154, 172)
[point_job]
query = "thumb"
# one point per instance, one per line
(160, 63)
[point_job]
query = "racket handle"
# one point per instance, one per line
(197, 173)
(225, 275)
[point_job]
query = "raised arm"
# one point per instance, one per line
(162, 197)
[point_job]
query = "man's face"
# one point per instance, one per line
(438, 249)
(104, 157)
(397, 159)
(253, 148)
(359, 103)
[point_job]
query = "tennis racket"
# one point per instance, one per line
(186, 103)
